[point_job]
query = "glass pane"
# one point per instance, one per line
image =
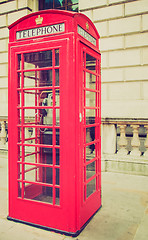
(31, 79)
(90, 62)
(57, 156)
(57, 117)
(91, 187)
(28, 61)
(48, 4)
(19, 61)
(30, 173)
(19, 116)
(19, 171)
(38, 136)
(47, 116)
(90, 81)
(90, 152)
(19, 189)
(31, 155)
(57, 176)
(74, 1)
(47, 156)
(57, 136)
(19, 80)
(19, 151)
(90, 170)
(57, 196)
(47, 137)
(48, 172)
(90, 99)
(38, 193)
(41, 78)
(38, 174)
(38, 155)
(31, 135)
(90, 116)
(30, 97)
(38, 59)
(57, 57)
(19, 99)
(90, 134)
(59, 4)
(57, 77)
(52, 4)
(45, 78)
(75, 8)
(19, 133)
(46, 195)
(44, 118)
(57, 97)
(46, 97)
(32, 116)
(70, 5)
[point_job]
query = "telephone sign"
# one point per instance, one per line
(54, 121)
(35, 32)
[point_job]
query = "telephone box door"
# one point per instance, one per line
(90, 132)
(39, 180)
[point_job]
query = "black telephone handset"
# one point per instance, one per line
(44, 111)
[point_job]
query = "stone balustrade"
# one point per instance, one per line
(125, 145)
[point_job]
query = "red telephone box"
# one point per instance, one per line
(54, 121)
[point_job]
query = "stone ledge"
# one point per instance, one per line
(125, 164)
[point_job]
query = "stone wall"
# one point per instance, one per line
(10, 11)
(123, 28)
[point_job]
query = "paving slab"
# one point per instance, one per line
(123, 216)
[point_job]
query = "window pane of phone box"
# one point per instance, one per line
(38, 192)
(38, 59)
(90, 170)
(38, 174)
(41, 78)
(91, 187)
(38, 155)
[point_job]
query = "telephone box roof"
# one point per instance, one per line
(49, 16)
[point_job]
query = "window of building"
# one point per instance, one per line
(70, 5)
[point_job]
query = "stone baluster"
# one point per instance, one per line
(135, 143)
(146, 141)
(108, 136)
(3, 133)
(122, 141)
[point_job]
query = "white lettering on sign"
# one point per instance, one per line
(86, 35)
(34, 32)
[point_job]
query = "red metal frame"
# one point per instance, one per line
(41, 185)
(93, 200)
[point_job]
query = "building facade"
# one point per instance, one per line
(123, 29)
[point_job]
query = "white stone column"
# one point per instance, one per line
(3, 133)
(122, 141)
(135, 143)
(109, 138)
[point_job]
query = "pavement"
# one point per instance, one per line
(123, 216)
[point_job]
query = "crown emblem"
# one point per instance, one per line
(39, 20)
(87, 26)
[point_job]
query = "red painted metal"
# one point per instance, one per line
(54, 121)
